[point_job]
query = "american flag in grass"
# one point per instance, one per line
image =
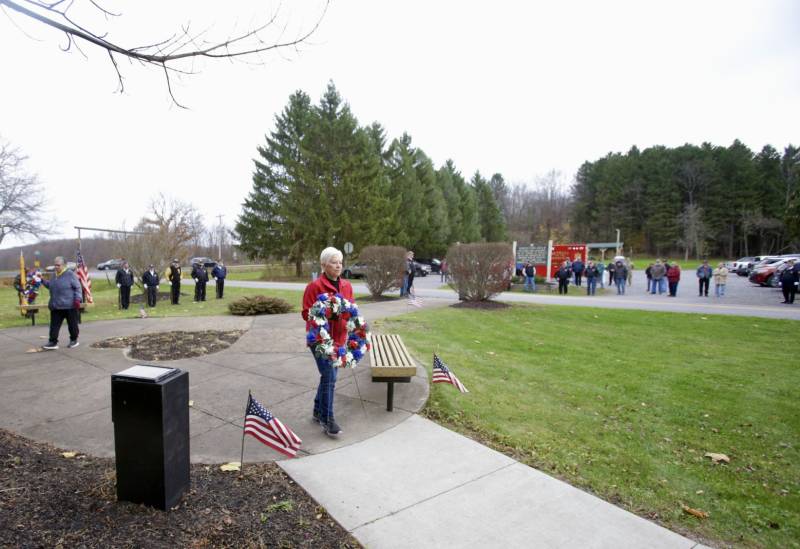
(83, 276)
(442, 374)
(267, 429)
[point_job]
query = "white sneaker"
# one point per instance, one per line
(73, 344)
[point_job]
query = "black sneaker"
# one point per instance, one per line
(315, 417)
(331, 428)
(50, 346)
(73, 344)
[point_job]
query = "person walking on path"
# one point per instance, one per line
(601, 269)
(591, 278)
(704, 274)
(577, 269)
(64, 304)
(611, 268)
(174, 279)
(124, 280)
(200, 276)
(620, 277)
(443, 271)
(720, 280)
(151, 280)
(789, 282)
(530, 277)
(563, 275)
(219, 272)
(329, 283)
(658, 272)
(673, 277)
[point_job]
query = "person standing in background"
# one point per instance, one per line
(720, 280)
(174, 278)
(150, 280)
(124, 280)
(704, 274)
(200, 276)
(219, 272)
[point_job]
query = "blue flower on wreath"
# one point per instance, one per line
(342, 351)
(322, 297)
(311, 336)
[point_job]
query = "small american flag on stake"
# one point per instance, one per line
(441, 374)
(266, 428)
(83, 276)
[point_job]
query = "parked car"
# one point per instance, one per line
(434, 264)
(356, 270)
(111, 264)
(206, 261)
(71, 265)
(763, 271)
(740, 265)
(756, 261)
(421, 269)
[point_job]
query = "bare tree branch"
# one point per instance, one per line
(165, 53)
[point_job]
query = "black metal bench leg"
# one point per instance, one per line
(390, 396)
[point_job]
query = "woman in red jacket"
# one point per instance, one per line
(329, 283)
(673, 276)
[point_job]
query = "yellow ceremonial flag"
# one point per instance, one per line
(22, 281)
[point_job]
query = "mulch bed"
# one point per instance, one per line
(47, 500)
(485, 305)
(172, 345)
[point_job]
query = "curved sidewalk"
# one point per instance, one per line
(392, 479)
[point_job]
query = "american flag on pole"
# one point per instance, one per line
(266, 428)
(83, 276)
(442, 374)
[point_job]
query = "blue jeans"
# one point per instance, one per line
(323, 402)
(530, 283)
(620, 282)
(404, 288)
(591, 286)
(719, 290)
(660, 284)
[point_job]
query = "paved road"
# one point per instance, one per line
(742, 299)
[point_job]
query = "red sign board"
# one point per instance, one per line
(563, 252)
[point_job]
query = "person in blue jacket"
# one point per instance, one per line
(704, 274)
(65, 302)
(219, 272)
(577, 269)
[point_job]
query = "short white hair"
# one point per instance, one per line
(328, 254)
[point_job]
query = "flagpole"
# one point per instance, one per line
(241, 458)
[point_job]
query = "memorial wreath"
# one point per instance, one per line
(319, 336)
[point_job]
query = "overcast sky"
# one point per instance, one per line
(519, 88)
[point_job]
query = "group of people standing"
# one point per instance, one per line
(619, 273)
(151, 281)
(663, 276)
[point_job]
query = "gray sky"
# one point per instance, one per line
(519, 88)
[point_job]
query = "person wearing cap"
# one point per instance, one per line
(124, 280)
(174, 278)
(219, 272)
(65, 302)
(720, 280)
(150, 280)
(704, 274)
(200, 276)
(789, 282)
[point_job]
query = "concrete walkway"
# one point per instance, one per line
(392, 479)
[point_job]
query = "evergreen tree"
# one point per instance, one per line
(406, 193)
(278, 212)
(433, 241)
(490, 218)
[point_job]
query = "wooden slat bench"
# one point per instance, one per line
(390, 363)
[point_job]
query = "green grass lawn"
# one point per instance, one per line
(626, 403)
(105, 306)
(641, 263)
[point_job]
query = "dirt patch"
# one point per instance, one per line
(47, 500)
(160, 296)
(484, 305)
(172, 345)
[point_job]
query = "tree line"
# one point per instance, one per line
(699, 200)
(322, 179)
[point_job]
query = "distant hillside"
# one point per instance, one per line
(94, 251)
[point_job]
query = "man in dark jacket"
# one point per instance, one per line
(620, 277)
(200, 276)
(704, 273)
(150, 280)
(611, 268)
(563, 275)
(789, 282)
(65, 302)
(592, 274)
(530, 277)
(174, 278)
(124, 281)
(219, 272)
(577, 269)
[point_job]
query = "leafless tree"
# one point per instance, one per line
(539, 212)
(22, 198)
(168, 55)
(171, 229)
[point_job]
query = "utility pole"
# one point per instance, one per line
(220, 216)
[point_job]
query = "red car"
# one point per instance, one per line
(762, 274)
